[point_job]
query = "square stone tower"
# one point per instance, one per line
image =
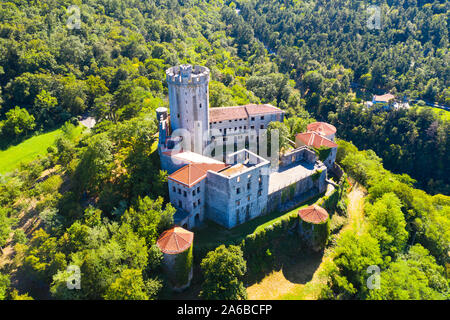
(189, 103)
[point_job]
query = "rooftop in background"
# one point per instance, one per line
(322, 128)
(193, 173)
(175, 240)
(315, 140)
(241, 112)
(290, 174)
(193, 157)
(313, 214)
(383, 98)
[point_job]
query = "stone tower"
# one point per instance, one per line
(189, 102)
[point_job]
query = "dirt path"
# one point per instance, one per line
(276, 286)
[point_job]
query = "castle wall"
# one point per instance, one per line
(231, 201)
(191, 200)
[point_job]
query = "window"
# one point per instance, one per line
(198, 189)
(178, 115)
(198, 202)
(262, 117)
(193, 192)
(253, 118)
(252, 127)
(184, 194)
(262, 126)
(235, 119)
(195, 205)
(200, 105)
(229, 120)
(245, 127)
(240, 128)
(238, 190)
(180, 204)
(238, 179)
(179, 191)
(248, 186)
(259, 193)
(248, 198)
(174, 189)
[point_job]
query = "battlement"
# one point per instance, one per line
(186, 74)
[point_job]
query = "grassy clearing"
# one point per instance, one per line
(279, 285)
(443, 114)
(28, 150)
(212, 235)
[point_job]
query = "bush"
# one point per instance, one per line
(20, 237)
(336, 223)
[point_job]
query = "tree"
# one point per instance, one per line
(130, 285)
(387, 223)
(18, 123)
(222, 269)
(148, 219)
(5, 227)
(4, 286)
(283, 134)
(413, 277)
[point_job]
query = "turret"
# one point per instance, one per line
(189, 102)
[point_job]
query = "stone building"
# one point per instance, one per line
(213, 174)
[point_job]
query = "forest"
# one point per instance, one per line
(99, 200)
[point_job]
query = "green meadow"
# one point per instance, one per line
(28, 150)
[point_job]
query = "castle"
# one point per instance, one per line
(217, 159)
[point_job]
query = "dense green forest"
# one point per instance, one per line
(99, 200)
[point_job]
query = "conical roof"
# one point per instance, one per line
(313, 214)
(322, 128)
(175, 240)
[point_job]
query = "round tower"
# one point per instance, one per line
(189, 102)
(176, 246)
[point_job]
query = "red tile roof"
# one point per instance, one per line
(322, 128)
(175, 240)
(384, 98)
(313, 214)
(240, 112)
(193, 173)
(315, 140)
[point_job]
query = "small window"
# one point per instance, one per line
(184, 193)
(262, 117)
(262, 126)
(229, 120)
(248, 186)
(174, 189)
(245, 127)
(200, 105)
(193, 193)
(253, 118)
(179, 191)
(235, 119)
(238, 190)
(252, 127)
(198, 189)
(178, 115)
(238, 179)
(180, 204)
(248, 198)
(198, 201)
